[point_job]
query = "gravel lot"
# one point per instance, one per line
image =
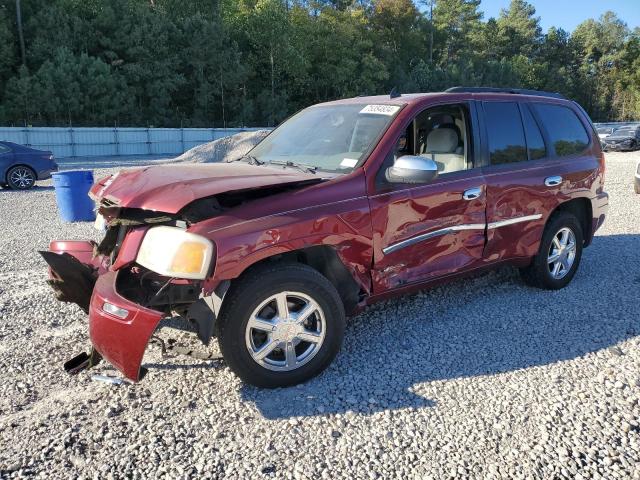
(484, 378)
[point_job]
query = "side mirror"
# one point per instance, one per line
(412, 169)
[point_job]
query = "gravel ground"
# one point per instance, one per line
(483, 378)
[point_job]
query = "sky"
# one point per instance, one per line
(567, 14)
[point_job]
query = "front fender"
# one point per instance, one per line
(348, 233)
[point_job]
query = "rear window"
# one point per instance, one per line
(566, 132)
(506, 137)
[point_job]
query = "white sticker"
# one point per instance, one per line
(380, 109)
(348, 162)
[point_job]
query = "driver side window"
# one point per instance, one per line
(441, 134)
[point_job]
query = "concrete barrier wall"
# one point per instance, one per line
(95, 142)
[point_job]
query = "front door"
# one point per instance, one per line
(421, 232)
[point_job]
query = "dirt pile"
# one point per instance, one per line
(223, 149)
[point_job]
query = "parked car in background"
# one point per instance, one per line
(21, 167)
(626, 138)
(604, 132)
(345, 204)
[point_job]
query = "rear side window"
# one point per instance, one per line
(506, 136)
(535, 143)
(566, 132)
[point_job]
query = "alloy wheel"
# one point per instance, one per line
(285, 331)
(562, 253)
(21, 177)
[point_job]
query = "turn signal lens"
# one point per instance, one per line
(114, 310)
(189, 258)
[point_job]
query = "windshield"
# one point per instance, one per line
(330, 138)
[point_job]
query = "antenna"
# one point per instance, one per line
(395, 93)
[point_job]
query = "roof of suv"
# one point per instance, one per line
(456, 92)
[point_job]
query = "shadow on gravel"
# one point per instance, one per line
(477, 327)
(208, 365)
(36, 188)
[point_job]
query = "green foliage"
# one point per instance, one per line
(254, 62)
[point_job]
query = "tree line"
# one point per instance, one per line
(217, 63)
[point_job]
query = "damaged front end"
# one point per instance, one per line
(149, 266)
(125, 300)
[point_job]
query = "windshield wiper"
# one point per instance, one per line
(251, 160)
(299, 166)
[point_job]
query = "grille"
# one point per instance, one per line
(105, 202)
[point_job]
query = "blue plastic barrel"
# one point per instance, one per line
(72, 189)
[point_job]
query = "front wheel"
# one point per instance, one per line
(21, 178)
(281, 325)
(559, 256)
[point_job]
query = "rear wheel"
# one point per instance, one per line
(21, 178)
(559, 256)
(281, 325)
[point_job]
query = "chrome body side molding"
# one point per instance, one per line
(457, 228)
(426, 236)
(511, 221)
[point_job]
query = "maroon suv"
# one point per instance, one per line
(346, 203)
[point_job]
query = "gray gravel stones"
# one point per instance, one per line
(224, 149)
(484, 378)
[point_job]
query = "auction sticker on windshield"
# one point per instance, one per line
(349, 162)
(380, 109)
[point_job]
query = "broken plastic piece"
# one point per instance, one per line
(107, 379)
(72, 280)
(82, 361)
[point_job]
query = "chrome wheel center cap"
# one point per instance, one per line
(285, 331)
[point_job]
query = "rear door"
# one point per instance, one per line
(425, 231)
(537, 158)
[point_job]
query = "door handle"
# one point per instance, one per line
(553, 181)
(472, 193)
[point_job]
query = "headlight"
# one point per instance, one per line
(173, 252)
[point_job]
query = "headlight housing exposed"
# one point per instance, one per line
(173, 252)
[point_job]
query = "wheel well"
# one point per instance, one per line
(582, 210)
(6, 174)
(326, 261)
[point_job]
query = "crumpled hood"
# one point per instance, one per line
(169, 188)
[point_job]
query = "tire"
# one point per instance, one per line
(539, 274)
(21, 178)
(253, 298)
(636, 187)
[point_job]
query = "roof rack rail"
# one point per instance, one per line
(517, 91)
